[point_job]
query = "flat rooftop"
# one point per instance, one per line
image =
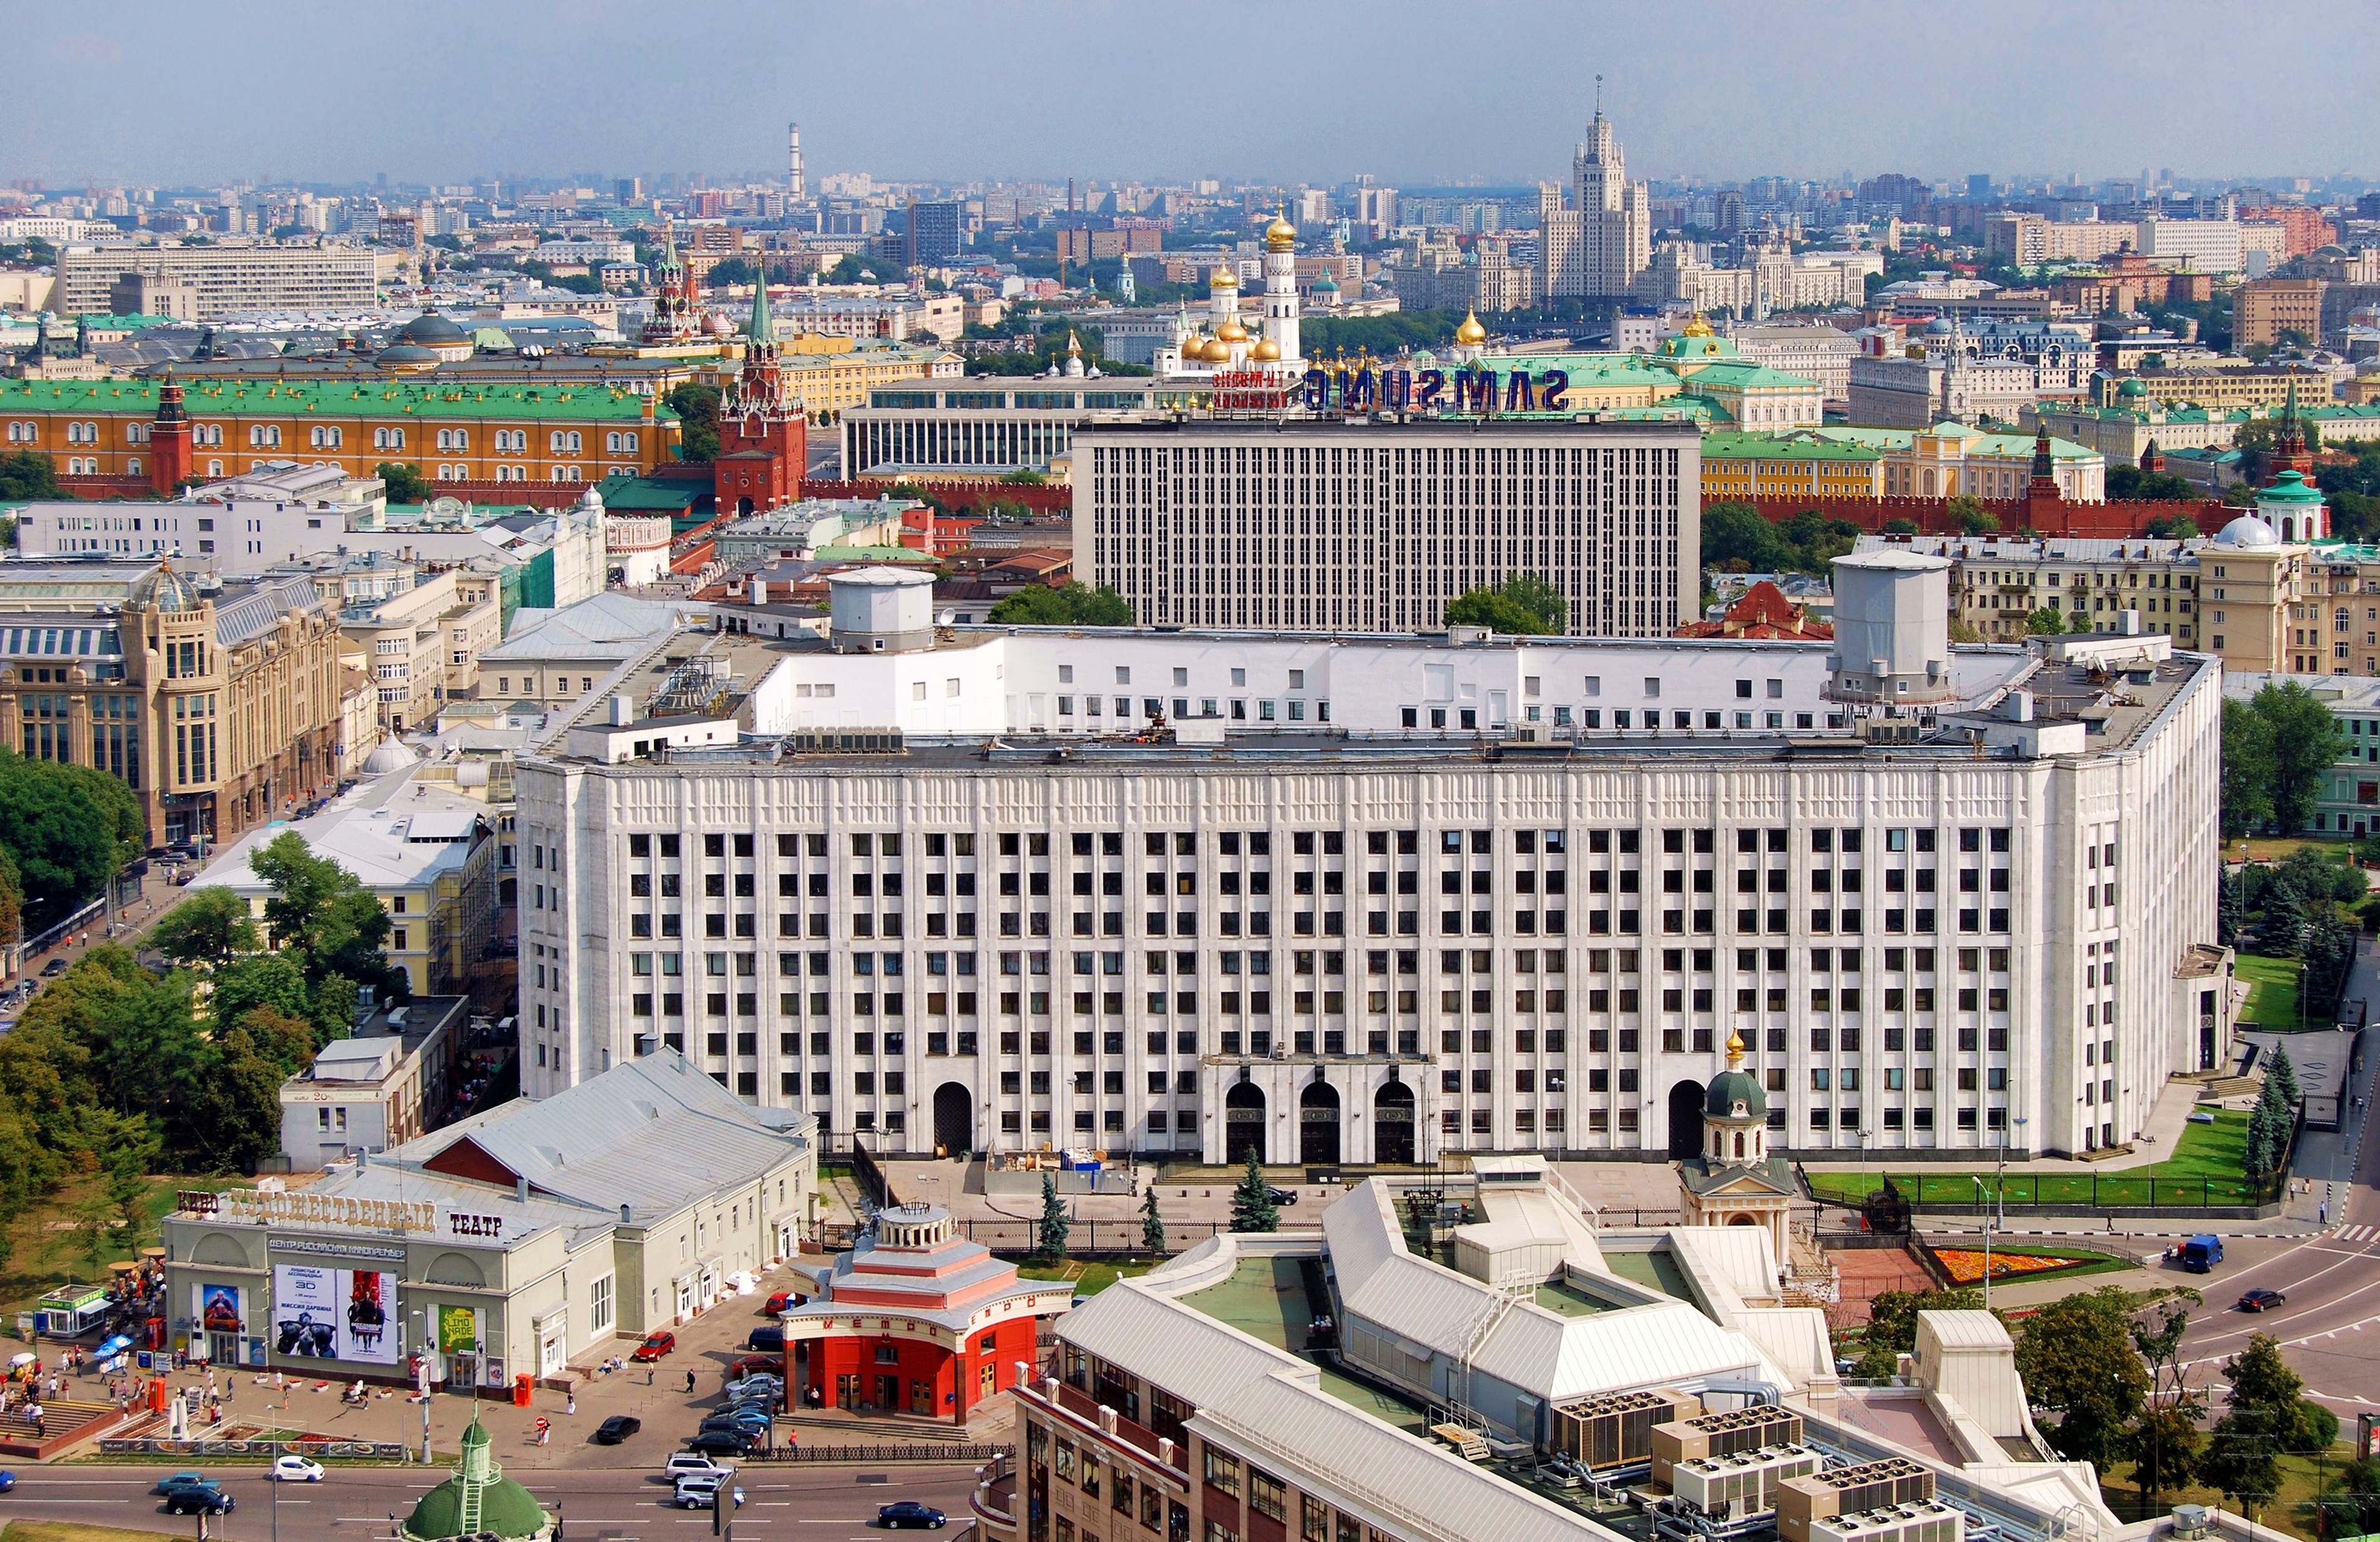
(1267, 1299)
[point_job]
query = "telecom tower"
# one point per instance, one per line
(796, 189)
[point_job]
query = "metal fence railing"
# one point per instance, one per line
(2079, 1191)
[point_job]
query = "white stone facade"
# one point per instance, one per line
(1928, 948)
(1599, 244)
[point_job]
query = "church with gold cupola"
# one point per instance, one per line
(1227, 343)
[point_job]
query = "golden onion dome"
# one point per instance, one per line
(1471, 333)
(1696, 327)
(1267, 351)
(1223, 277)
(1279, 235)
(1231, 330)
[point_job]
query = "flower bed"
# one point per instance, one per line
(1965, 1265)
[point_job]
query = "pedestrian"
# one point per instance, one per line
(2322, 1213)
(649, 1375)
(689, 1382)
(572, 1407)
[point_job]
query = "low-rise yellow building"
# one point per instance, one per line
(1795, 466)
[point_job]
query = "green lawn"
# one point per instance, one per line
(2272, 990)
(2202, 1169)
(1089, 1279)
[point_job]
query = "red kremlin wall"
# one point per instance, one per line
(2042, 513)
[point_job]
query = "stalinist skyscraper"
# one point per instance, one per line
(1595, 247)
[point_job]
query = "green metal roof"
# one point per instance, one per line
(1725, 445)
(283, 398)
(620, 494)
(2289, 487)
(2008, 445)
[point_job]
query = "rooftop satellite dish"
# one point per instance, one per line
(946, 618)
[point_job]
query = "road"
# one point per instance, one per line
(2329, 1327)
(353, 1504)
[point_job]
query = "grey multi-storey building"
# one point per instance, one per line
(1324, 524)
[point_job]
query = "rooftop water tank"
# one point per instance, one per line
(880, 610)
(1892, 629)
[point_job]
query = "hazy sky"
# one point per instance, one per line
(1310, 91)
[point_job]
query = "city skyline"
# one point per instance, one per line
(1718, 95)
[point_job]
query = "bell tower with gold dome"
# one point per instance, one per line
(1280, 343)
(1733, 1178)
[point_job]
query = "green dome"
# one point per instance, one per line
(506, 1510)
(2132, 388)
(1730, 1089)
(2289, 487)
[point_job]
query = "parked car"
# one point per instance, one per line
(771, 1339)
(758, 1385)
(778, 1302)
(1282, 1196)
(171, 1482)
(617, 1428)
(2260, 1300)
(699, 1493)
(909, 1513)
(722, 1442)
(54, 968)
(692, 1464)
(195, 1500)
(653, 1348)
(745, 1365)
(745, 1417)
(294, 1469)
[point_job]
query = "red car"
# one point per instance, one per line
(743, 1366)
(781, 1303)
(653, 1348)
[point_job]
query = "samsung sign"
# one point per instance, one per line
(1465, 390)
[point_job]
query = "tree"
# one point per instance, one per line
(2349, 1504)
(1152, 1225)
(323, 911)
(1487, 607)
(2267, 1417)
(1891, 1329)
(2046, 621)
(1540, 599)
(1252, 1205)
(1055, 1223)
(1972, 519)
(67, 830)
(2249, 768)
(26, 475)
(697, 406)
(2282, 1078)
(1901, 527)
(1073, 604)
(2306, 741)
(209, 927)
(2230, 907)
(2077, 1355)
(406, 483)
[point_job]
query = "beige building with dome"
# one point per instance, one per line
(218, 704)
(1734, 1180)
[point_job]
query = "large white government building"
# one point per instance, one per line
(1369, 898)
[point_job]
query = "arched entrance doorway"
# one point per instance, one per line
(954, 1118)
(1244, 1123)
(1317, 1124)
(1392, 1123)
(1685, 1120)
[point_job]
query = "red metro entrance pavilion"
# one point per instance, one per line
(915, 1320)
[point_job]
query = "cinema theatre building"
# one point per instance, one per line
(514, 1243)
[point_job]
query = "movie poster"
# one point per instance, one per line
(368, 1329)
(219, 1308)
(307, 1307)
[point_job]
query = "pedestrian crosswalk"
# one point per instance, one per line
(2359, 1233)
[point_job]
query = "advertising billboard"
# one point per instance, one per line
(458, 1329)
(219, 1308)
(333, 1314)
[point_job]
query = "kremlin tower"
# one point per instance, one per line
(1227, 344)
(763, 449)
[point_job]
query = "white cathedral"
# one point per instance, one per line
(1597, 245)
(1226, 345)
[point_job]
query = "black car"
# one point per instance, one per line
(199, 1501)
(53, 967)
(910, 1514)
(770, 1339)
(1282, 1196)
(617, 1428)
(722, 1442)
(2261, 1300)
